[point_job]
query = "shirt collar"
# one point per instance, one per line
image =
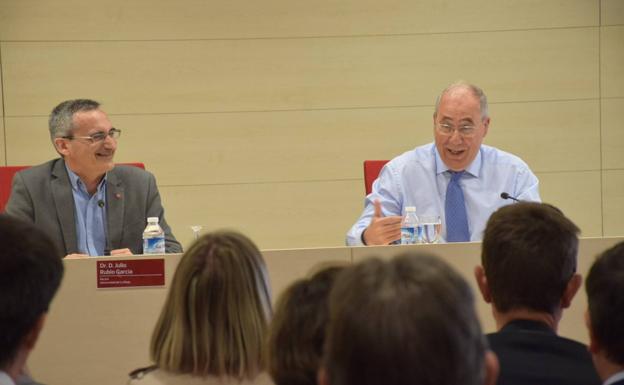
(77, 184)
(5, 379)
(527, 325)
(473, 168)
(615, 378)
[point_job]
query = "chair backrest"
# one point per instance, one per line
(6, 180)
(371, 171)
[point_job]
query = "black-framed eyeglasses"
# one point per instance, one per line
(465, 130)
(98, 136)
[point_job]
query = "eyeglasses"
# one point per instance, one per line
(464, 130)
(98, 136)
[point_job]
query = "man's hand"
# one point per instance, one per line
(382, 230)
(118, 252)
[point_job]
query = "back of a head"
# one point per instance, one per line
(297, 330)
(410, 320)
(605, 297)
(30, 273)
(529, 255)
(214, 321)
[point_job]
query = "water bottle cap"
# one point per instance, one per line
(152, 219)
(410, 209)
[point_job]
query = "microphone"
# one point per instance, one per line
(107, 248)
(505, 195)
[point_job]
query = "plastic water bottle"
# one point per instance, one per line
(153, 237)
(410, 229)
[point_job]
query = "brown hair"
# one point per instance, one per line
(605, 297)
(31, 270)
(410, 320)
(214, 320)
(529, 255)
(298, 328)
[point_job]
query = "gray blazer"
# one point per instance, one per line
(42, 195)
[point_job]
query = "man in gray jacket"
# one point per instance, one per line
(86, 204)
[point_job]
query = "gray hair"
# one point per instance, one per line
(60, 122)
(476, 91)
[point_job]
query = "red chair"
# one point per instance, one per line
(371, 171)
(6, 180)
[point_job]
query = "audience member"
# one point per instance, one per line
(528, 274)
(605, 315)
(457, 177)
(86, 204)
(407, 321)
(297, 331)
(30, 274)
(214, 324)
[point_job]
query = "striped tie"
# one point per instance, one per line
(455, 208)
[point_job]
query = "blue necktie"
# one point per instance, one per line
(455, 209)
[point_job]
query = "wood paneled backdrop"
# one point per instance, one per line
(258, 115)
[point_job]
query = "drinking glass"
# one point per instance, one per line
(196, 229)
(431, 228)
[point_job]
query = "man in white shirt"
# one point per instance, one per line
(456, 178)
(605, 316)
(30, 274)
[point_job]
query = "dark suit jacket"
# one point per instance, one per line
(43, 195)
(531, 353)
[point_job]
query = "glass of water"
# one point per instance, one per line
(196, 229)
(431, 226)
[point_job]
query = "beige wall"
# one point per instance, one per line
(258, 115)
(2, 142)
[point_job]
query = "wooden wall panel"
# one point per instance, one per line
(612, 61)
(193, 19)
(284, 269)
(611, 12)
(578, 195)
(612, 133)
(549, 136)
(276, 215)
(2, 140)
(244, 75)
(2, 134)
(613, 202)
(28, 141)
(273, 146)
(191, 149)
(2, 143)
(1, 88)
(320, 145)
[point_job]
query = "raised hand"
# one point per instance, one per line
(382, 230)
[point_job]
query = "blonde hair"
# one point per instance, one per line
(214, 321)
